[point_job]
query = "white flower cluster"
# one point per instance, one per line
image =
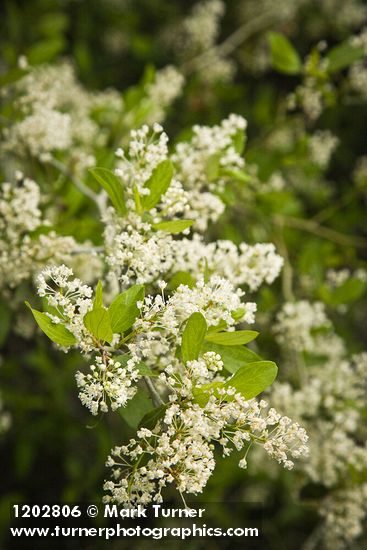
(108, 379)
(216, 299)
(200, 30)
(202, 26)
(243, 265)
(203, 207)
(5, 419)
(192, 160)
(344, 513)
(162, 92)
(56, 114)
(147, 148)
(360, 172)
(336, 278)
(179, 449)
(44, 130)
(360, 40)
(194, 186)
(322, 145)
(192, 157)
(299, 323)
(161, 321)
(136, 252)
(309, 98)
(331, 405)
(71, 300)
(357, 77)
(23, 252)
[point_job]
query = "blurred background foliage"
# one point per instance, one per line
(52, 451)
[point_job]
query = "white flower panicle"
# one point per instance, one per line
(199, 407)
(244, 265)
(336, 278)
(179, 449)
(22, 252)
(71, 300)
(322, 146)
(162, 92)
(56, 114)
(202, 26)
(192, 157)
(344, 513)
(136, 252)
(160, 324)
(331, 405)
(108, 380)
(43, 131)
(147, 148)
(5, 418)
(216, 300)
(298, 322)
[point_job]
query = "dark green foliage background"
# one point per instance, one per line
(54, 450)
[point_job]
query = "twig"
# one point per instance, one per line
(313, 540)
(156, 398)
(327, 212)
(99, 199)
(321, 231)
(86, 250)
(231, 42)
(287, 271)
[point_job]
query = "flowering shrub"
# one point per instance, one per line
(167, 341)
(149, 236)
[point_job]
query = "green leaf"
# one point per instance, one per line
(45, 50)
(5, 322)
(56, 332)
(137, 200)
(202, 394)
(350, 291)
(98, 298)
(123, 310)
(12, 76)
(237, 175)
(207, 272)
(174, 226)
(158, 183)
(98, 323)
(342, 56)
(136, 408)
(212, 167)
(222, 325)
(150, 419)
(284, 57)
(193, 337)
(181, 278)
(239, 141)
(233, 357)
(232, 338)
(253, 378)
(112, 185)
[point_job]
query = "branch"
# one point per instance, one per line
(311, 226)
(99, 199)
(232, 42)
(86, 250)
(287, 271)
(156, 398)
